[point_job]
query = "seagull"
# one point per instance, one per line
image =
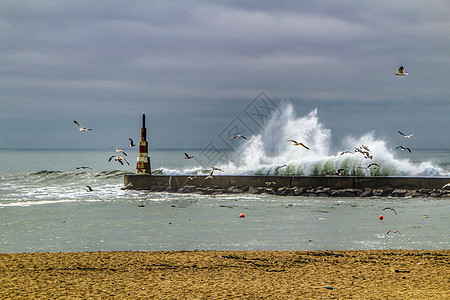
(403, 148)
(365, 153)
(120, 151)
(186, 156)
(81, 127)
(368, 167)
(393, 231)
(279, 167)
(346, 152)
(339, 172)
(390, 209)
(400, 72)
(131, 143)
(89, 189)
(295, 143)
(84, 167)
(210, 175)
(119, 159)
(216, 169)
(191, 178)
(365, 147)
(407, 136)
(238, 136)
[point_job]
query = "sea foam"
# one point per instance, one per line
(263, 153)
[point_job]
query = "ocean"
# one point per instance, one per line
(45, 206)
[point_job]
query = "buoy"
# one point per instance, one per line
(380, 217)
(241, 216)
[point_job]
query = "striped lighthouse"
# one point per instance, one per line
(143, 161)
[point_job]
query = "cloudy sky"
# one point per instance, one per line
(194, 66)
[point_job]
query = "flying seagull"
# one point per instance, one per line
(120, 151)
(393, 231)
(339, 172)
(342, 153)
(84, 167)
(210, 175)
(81, 127)
(186, 156)
(390, 209)
(407, 136)
(119, 159)
(365, 153)
(89, 189)
(280, 167)
(400, 72)
(295, 143)
(238, 136)
(371, 165)
(131, 143)
(403, 148)
(216, 169)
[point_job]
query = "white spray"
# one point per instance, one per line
(269, 151)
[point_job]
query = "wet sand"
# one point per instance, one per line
(379, 274)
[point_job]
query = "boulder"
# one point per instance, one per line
(398, 193)
(298, 191)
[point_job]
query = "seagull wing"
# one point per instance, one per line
(401, 133)
(391, 209)
(78, 124)
(295, 142)
(125, 160)
(111, 157)
(304, 146)
(408, 150)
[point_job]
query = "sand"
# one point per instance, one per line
(381, 274)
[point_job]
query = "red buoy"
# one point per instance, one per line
(380, 217)
(241, 216)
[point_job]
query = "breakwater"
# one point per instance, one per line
(334, 186)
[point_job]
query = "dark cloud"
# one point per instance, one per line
(198, 64)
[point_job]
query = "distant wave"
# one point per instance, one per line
(44, 175)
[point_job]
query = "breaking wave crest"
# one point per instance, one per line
(271, 153)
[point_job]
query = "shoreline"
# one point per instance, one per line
(332, 274)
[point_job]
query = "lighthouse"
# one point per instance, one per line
(143, 161)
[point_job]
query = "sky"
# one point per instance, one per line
(198, 67)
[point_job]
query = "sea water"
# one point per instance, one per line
(45, 204)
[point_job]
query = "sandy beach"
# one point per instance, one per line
(378, 274)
